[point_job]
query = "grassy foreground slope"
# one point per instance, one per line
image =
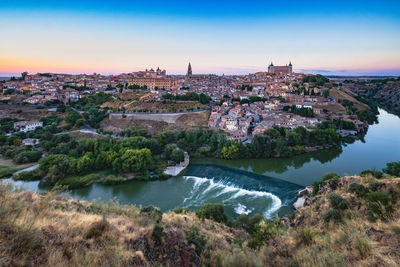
(351, 221)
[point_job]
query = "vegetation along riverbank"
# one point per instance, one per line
(358, 213)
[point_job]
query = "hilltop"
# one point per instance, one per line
(354, 220)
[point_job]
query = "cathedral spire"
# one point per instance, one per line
(189, 71)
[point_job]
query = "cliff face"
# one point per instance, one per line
(351, 221)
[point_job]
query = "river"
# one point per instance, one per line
(265, 186)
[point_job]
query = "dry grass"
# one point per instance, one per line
(54, 230)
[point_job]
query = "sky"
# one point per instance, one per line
(231, 37)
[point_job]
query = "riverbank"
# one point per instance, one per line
(178, 168)
(52, 229)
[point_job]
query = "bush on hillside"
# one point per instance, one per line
(158, 233)
(332, 215)
(264, 231)
(198, 240)
(359, 189)
(393, 168)
(316, 185)
(213, 212)
(152, 213)
(338, 202)
(250, 223)
(376, 174)
(380, 206)
(330, 176)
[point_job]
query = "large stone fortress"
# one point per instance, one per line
(151, 79)
(280, 69)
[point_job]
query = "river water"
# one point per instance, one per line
(265, 186)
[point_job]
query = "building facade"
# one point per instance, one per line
(280, 69)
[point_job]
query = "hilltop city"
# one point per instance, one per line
(242, 106)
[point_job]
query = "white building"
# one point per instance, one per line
(26, 126)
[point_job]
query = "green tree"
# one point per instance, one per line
(230, 152)
(326, 93)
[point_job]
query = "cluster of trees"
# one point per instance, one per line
(246, 87)
(368, 115)
(20, 154)
(274, 142)
(318, 80)
(77, 88)
(93, 117)
(7, 125)
(202, 98)
(174, 154)
(304, 112)
(91, 101)
(80, 157)
(251, 99)
(135, 86)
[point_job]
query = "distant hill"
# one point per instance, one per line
(4, 78)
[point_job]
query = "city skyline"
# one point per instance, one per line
(358, 38)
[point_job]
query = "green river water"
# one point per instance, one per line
(249, 186)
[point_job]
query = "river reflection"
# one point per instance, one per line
(380, 145)
(252, 185)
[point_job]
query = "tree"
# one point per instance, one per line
(203, 99)
(136, 159)
(55, 167)
(326, 93)
(72, 117)
(177, 155)
(23, 75)
(230, 152)
(213, 212)
(393, 168)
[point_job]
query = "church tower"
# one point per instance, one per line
(189, 71)
(290, 67)
(271, 68)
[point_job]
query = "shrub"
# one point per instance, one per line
(380, 206)
(366, 173)
(97, 229)
(158, 233)
(330, 176)
(250, 223)
(381, 197)
(359, 189)
(181, 211)
(27, 156)
(79, 181)
(316, 185)
(113, 180)
(332, 215)
(264, 231)
(28, 176)
(393, 168)
(395, 229)
(374, 185)
(305, 236)
(6, 172)
(376, 174)
(213, 212)
(194, 237)
(338, 202)
(153, 213)
(363, 246)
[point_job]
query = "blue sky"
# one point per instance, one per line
(342, 37)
